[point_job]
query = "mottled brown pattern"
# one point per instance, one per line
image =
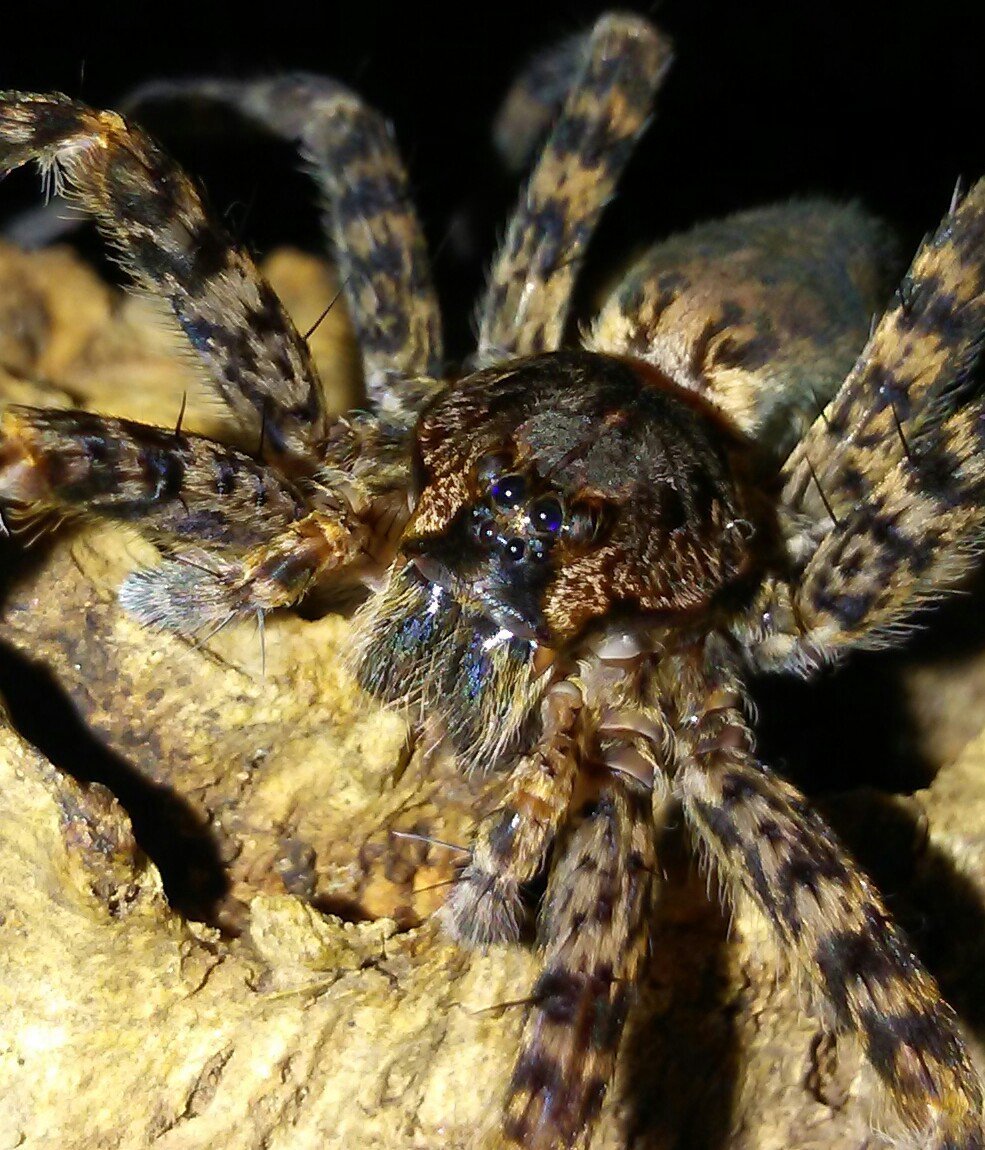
(530, 285)
(594, 936)
(376, 238)
(885, 492)
(763, 837)
(178, 487)
(153, 216)
(659, 481)
(762, 313)
(575, 554)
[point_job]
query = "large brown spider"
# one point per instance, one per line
(586, 551)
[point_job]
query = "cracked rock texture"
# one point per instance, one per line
(210, 936)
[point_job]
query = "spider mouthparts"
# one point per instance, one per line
(478, 598)
(435, 572)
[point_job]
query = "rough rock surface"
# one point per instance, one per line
(210, 936)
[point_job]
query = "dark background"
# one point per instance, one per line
(885, 102)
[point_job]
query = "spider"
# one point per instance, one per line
(577, 551)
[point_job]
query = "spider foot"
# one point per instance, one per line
(483, 909)
(198, 591)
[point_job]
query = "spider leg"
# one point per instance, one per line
(885, 495)
(764, 838)
(377, 240)
(154, 217)
(201, 591)
(534, 99)
(761, 313)
(178, 488)
(593, 931)
(510, 847)
(243, 539)
(530, 284)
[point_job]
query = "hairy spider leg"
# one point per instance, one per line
(177, 487)
(765, 839)
(203, 591)
(535, 98)
(889, 482)
(530, 284)
(593, 933)
(242, 539)
(377, 241)
(511, 846)
(151, 213)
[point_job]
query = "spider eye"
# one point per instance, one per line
(546, 515)
(514, 550)
(509, 491)
(485, 530)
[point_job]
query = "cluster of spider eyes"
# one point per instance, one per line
(545, 515)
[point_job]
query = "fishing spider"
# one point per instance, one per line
(585, 548)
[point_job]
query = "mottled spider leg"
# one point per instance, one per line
(593, 930)
(886, 493)
(243, 536)
(764, 837)
(761, 313)
(202, 590)
(526, 302)
(377, 240)
(511, 845)
(155, 219)
(176, 487)
(535, 98)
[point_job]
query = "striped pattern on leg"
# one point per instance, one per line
(378, 244)
(176, 487)
(593, 930)
(764, 837)
(526, 302)
(888, 487)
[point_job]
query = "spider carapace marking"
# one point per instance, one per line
(579, 555)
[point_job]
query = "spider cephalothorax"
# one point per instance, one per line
(558, 497)
(576, 557)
